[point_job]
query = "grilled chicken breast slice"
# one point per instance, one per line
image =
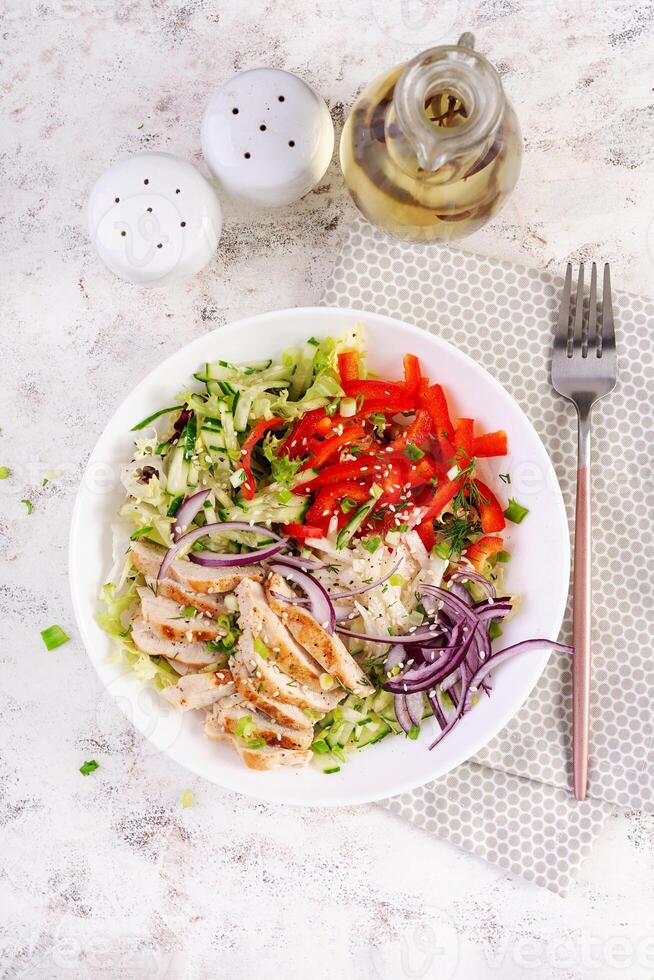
(256, 616)
(329, 651)
(166, 617)
(147, 559)
(229, 711)
(249, 689)
(199, 690)
(148, 640)
(270, 757)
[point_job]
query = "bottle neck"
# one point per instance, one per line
(448, 103)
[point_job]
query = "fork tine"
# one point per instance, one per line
(563, 326)
(606, 339)
(577, 337)
(590, 337)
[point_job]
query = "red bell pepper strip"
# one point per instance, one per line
(490, 444)
(248, 487)
(480, 552)
(417, 432)
(445, 492)
(303, 531)
(433, 399)
(490, 511)
(348, 366)
(380, 396)
(412, 375)
(361, 469)
(306, 427)
(323, 507)
(421, 472)
(463, 441)
(427, 534)
(323, 451)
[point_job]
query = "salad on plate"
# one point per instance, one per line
(315, 556)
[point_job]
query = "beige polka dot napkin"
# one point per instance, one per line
(512, 804)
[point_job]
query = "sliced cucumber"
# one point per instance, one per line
(212, 438)
(354, 523)
(303, 371)
(178, 467)
(232, 444)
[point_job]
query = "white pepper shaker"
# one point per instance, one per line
(267, 137)
(154, 219)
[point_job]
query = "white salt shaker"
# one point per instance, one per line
(267, 137)
(154, 219)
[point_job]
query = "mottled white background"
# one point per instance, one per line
(106, 876)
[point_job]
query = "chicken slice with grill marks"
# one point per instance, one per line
(268, 757)
(227, 713)
(328, 650)
(257, 617)
(249, 689)
(167, 618)
(147, 559)
(199, 690)
(147, 640)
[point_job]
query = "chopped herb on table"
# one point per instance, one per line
(89, 767)
(54, 637)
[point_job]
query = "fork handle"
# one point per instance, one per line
(582, 614)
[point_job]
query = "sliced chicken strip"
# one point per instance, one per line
(199, 690)
(147, 558)
(284, 714)
(276, 684)
(149, 641)
(228, 712)
(269, 757)
(166, 617)
(257, 616)
(329, 651)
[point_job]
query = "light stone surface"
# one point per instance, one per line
(107, 876)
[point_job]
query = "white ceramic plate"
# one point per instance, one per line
(539, 568)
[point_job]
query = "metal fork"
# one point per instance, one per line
(583, 371)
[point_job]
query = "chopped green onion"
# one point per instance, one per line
(515, 512)
(328, 772)
(254, 743)
(376, 491)
(503, 556)
(188, 611)
(237, 478)
(151, 418)
(348, 407)
(44, 482)
(347, 505)
(187, 799)
(372, 544)
(283, 496)
(54, 637)
(175, 504)
(320, 747)
(28, 504)
(89, 766)
(413, 732)
(402, 528)
(261, 648)
(396, 579)
(326, 682)
(494, 630)
(505, 477)
(4, 472)
(244, 727)
(412, 452)
(442, 550)
(141, 533)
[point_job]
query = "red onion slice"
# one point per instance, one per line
(470, 687)
(304, 564)
(468, 574)
(190, 508)
(415, 705)
(212, 558)
(402, 713)
(422, 635)
(322, 608)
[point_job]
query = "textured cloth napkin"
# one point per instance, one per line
(512, 803)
